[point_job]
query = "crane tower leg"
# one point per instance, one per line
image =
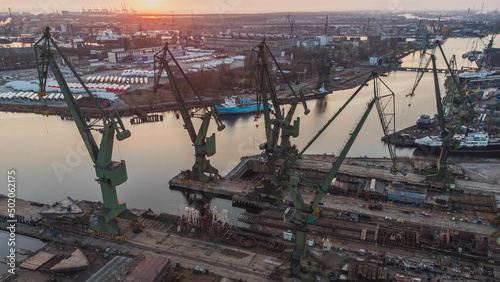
(109, 175)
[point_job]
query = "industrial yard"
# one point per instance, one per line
(362, 233)
(411, 193)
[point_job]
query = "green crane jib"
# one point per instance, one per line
(109, 173)
(271, 125)
(440, 174)
(279, 123)
(287, 129)
(203, 146)
(301, 214)
(423, 67)
(290, 162)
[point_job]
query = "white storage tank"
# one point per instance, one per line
(34, 95)
(11, 96)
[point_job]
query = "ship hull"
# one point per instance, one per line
(228, 111)
(490, 149)
(425, 125)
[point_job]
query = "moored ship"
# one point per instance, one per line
(236, 106)
(425, 122)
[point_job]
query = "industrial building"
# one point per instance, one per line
(145, 55)
(245, 43)
(150, 270)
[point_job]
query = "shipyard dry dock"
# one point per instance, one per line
(402, 221)
(404, 228)
(164, 248)
(476, 178)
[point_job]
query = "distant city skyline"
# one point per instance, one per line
(247, 6)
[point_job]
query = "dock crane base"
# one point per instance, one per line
(286, 271)
(278, 125)
(303, 214)
(109, 173)
(435, 178)
(204, 146)
(111, 227)
(300, 219)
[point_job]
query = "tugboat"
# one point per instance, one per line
(236, 106)
(426, 122)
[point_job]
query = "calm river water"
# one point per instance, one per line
(51, 161)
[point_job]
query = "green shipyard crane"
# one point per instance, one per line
(203, 146)
(278, 125)
(287, 128)
(302, 214)
(109, 173)
(440, 173)
(290, 162)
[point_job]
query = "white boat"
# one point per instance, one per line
(471, 142)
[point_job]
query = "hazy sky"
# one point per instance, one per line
(247, 6)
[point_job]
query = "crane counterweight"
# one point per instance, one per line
(204, 146)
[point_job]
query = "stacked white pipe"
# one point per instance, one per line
(107, 87)
(23, 85)
(93, 87)
(141, 73)
(33, 96)
(74, 87)
(124, 78)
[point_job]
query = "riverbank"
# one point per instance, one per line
(141, 101)
(225, 254)
(353, 77)
(122, 108)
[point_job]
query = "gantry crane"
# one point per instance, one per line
(301, 214)
(203, 146)
(109, 173)
(278, 123)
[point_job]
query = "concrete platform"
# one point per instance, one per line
(24, 210)
(472, 178)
